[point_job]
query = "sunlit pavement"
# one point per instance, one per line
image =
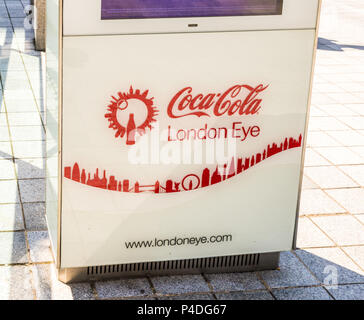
(330, 261)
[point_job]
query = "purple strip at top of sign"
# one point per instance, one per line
(138, 9)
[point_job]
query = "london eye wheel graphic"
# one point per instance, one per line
(191, 182)
(131, 113)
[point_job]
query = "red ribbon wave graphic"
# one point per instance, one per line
(189, 182)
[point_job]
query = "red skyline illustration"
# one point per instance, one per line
(189, 182)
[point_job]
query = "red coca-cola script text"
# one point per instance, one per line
(237, 100)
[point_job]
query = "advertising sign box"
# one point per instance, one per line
(184, 148)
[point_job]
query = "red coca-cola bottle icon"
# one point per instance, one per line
(130, 130)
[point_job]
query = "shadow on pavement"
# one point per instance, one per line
(20, 277)
(332, 45)
(342, 283)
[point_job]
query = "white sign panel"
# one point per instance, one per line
(182, 145)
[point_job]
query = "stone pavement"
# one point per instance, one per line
(331, 227)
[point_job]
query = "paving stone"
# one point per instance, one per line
(234, 281)
(360, 217)
(348, 138)
(13, 248)
(180, 284)
(337, 110)
(136, 299)
(19, 104)
(9, 192)
(337, 179)
(331, 266)
(355, 172)
(357, 107)
(32, 190)
(16, 84)
(307, 183)
(39, 246)
(49, 288)
(326, 124)
(14, 74)
(11, 64)
(17, 93)
(312, 158)
(316, 112)
(4, 22)
(348, 292)
(321, 139)
(310, 236)
(316, 77)
(35, 216)
(311, 293)
(321, 98)
(340, 155)
(344, 97)
(4, 132)
(11, 218)
(123, 288)
(359, 151)
(257, 295)
(356, 253)
(27, 133)
(15, 283)
(315, 201)
(24, 119)
(18, 22)
(17, 13)
(7, 170)
(328, 87)
(356, 123)
(30, 168)
(343, 229)
(351, 199)
(29, 149)
(5, 150)
(188, 297)
(3, 119)
(291, 273)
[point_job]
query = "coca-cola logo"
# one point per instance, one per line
(133, 112)
(239, 99)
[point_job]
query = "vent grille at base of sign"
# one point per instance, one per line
(201, 264)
